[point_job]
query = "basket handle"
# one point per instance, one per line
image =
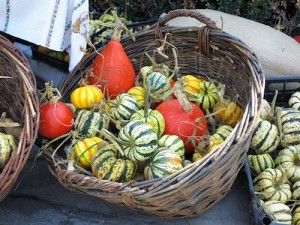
(188, 13)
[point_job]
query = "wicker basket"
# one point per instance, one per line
(206, 51)
(19, 100)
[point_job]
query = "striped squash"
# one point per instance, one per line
(190, 83)
(207, 96)
(7, 145)
(82, 152)
(296, 216)
(294, 101)
(228, 112)
(139, 94)
(86, 96)
(164, 162)
(278, 212)
(222, 132)
(172, 142)
(154, 118)
(289, 160)
(296, 190)
(89, 123)
(289, 126)
(158, 85)
(265, 137)
(139, 140)
(106, 166)
(271, 184)
(259, 163)
(122, 108)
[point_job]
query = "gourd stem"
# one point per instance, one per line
(147, 103)
(183, 100)
(273, 103)
(116, 141)
(279, 122)
(153, 63)
(119, 27)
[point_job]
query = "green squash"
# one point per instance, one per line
(7, 145)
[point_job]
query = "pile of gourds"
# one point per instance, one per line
(122, 126)
(274, 160)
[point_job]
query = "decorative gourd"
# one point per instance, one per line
(191, 84)
(278, 212)
(154, 118)
(259, 163)
(207, 96)
(106, 165)
(289, 126)
(158, 85)
(271, 184)
(88, 123)
(289, 160)
(86, 96)
(296, 190)
(222, 132)
(164, 162)
(112, 68)
(7, 145)
(139, 141)
(265, 112)
(227, 112)
(294, 100)
(172, 142)
(265, 137)
(139, 94)
(122, 108)
(82, 152)
(296, 216)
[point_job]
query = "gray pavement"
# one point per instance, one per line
(38, 198)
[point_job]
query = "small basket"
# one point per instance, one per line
(19, 100)
(205, 52)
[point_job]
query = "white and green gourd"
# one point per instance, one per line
(278, 212)
(152, 117)
(260, 162)
(289, 126)
(294, 101)
(296, 190)
(296, 216)
(89, 123)
(163, 163)
(7, 145)
(122, 108)
(265, 137)
(172, 142)
(271, 184)
(289, 160)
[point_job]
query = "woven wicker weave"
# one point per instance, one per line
(19, 100)
(206, 52)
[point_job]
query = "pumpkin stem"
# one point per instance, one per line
(51, 94)
(119, 27)
(273, 104)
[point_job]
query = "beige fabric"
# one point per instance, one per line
(278, 53)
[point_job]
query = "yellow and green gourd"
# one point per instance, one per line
(7, 145)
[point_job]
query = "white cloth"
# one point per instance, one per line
(55, 24)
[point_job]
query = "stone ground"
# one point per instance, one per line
(38, 198)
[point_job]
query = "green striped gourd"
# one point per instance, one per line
(294, 101)
(139, 140)
(106, 165)
(222, 132)
(289, 126)
(259, 163)
(265, 137)
(271, 184)
(82, 152)
(139, 94)
(172, 142)
(289, 160)
(122, 108)
(296, 190)
(278, 212)
(207, 96)
(7, 145)
(89, 123)
(296, 216)
(154, 118)
(158, 85)
(164, 162)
